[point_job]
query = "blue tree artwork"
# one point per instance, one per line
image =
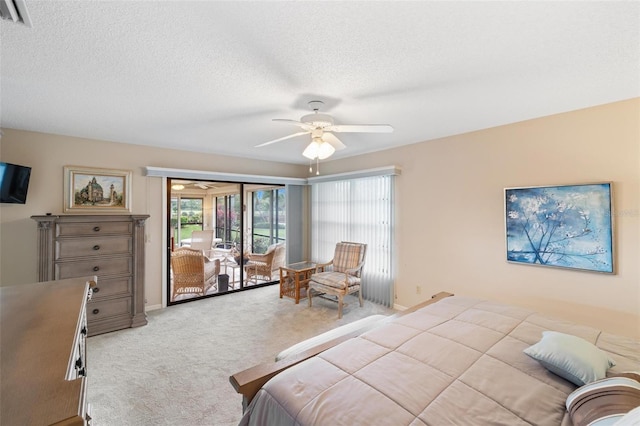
(564, 226)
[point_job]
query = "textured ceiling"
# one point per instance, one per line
(210, 76)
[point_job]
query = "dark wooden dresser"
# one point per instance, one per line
(110, 247)
(43, 353)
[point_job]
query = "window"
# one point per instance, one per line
(228, 213)
(359, 210)
(269, 218)
(186, 217)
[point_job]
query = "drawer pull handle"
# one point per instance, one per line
(96, 228)
(96, 311)
(96, 289)
(96, 247)
(96, 269)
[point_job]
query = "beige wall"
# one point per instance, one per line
(450, 231)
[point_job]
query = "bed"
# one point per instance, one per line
(452, 360)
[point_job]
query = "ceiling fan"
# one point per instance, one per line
(180, 184)
(321, 128)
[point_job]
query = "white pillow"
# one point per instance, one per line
(570, 357)
(363, 323)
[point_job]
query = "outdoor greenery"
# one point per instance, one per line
(190, 216)
(187, 230)
(268, 206)
(269, 209)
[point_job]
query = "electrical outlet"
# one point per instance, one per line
(418, 289)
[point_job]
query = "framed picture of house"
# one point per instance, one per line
(566, 226)
(88, 190)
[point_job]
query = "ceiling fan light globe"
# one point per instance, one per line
(312, 150)
(325, 150)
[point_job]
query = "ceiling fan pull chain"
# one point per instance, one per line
(310, 168)
(317, 165)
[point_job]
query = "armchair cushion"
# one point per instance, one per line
(344, 276)
(336, 279)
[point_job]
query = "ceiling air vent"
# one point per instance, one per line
(16, 11)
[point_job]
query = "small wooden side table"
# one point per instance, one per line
(294, 279)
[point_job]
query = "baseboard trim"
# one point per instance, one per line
(399, 307)
(152, 307)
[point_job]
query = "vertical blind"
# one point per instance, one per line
(358, 210)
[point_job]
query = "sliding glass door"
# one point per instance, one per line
(269, 218)
(224, 224)
(228, 219)
(186, 217)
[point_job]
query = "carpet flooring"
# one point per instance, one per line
(175, 370)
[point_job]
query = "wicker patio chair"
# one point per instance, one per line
(340, 276)
(193, 272)
(265, 266)
(203, 240)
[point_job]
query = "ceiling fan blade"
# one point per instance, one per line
(360, 128)
(283, 138)
(332, 140)
(305, 126)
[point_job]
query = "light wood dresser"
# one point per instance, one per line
(110, 247)
(42, 357)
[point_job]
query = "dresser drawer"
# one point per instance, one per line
(97, 310)
(108, 246)
(108, 287)
(99, 246)
(99, 266)
(93, 228)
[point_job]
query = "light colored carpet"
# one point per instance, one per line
(175, 370)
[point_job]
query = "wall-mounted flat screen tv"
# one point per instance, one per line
(14, 182)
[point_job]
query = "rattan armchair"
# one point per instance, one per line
(193, 272)
(340, 276)
(265, 266)
(203, 240)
